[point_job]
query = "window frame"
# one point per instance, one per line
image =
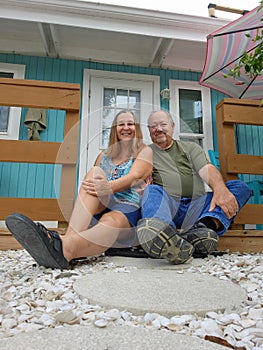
(18, 71)
(175, 86)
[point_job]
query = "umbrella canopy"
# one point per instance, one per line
(225, 47)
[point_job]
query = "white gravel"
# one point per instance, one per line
(34, 298)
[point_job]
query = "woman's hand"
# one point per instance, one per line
(98, 186)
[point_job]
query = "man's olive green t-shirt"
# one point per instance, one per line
(176, 168)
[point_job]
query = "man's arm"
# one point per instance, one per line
(222, 197)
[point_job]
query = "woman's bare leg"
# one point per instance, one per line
(80, 241)
(97, 239)
(86, 206)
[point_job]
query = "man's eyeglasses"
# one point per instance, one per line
(158, 126)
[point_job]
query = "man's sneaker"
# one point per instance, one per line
(203, 239)
(161, 240)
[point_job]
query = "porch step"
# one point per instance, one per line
(7, 241)
(244, 241)
(233, 240)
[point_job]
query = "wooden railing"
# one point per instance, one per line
(230, 112)
(46, 95)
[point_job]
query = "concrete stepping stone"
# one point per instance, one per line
(144, 263)
(115, 338)
(165, 292)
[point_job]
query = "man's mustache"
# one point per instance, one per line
(161, 132)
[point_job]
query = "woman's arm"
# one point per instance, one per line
(98, 159)
(140, 170)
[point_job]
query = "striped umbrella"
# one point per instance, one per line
(225, 47)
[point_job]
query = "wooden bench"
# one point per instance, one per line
(46, 95)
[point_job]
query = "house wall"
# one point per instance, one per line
(39, 181)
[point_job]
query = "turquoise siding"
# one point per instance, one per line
(40, 181)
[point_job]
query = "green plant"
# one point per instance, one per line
(252, 63)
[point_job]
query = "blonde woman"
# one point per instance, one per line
(107, 208)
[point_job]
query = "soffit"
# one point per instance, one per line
(92, 31)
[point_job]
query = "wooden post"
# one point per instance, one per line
(230, 112)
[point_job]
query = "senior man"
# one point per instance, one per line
(179, 218)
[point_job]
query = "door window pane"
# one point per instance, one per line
(191, 114)
(109, 97)
(114, 101)
(4, 110)
(135, 100)
(108, 116)
(122, 99)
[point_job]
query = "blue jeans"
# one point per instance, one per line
(183, 213)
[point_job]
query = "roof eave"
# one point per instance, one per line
(116, 18)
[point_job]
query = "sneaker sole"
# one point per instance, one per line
(26, 233)
(161, 240)
(204, 240)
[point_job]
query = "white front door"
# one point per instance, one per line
(104, 95)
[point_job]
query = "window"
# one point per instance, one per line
(191, 108)
(114, 101)
(10, 116)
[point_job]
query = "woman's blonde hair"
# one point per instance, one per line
(114, 144)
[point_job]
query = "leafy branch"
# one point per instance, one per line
(250, 63)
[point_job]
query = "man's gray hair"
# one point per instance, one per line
(161, 110)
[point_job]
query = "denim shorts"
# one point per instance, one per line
(132, 213)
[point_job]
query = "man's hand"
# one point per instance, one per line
(98, 186)
(226, 201)
(222, 197)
